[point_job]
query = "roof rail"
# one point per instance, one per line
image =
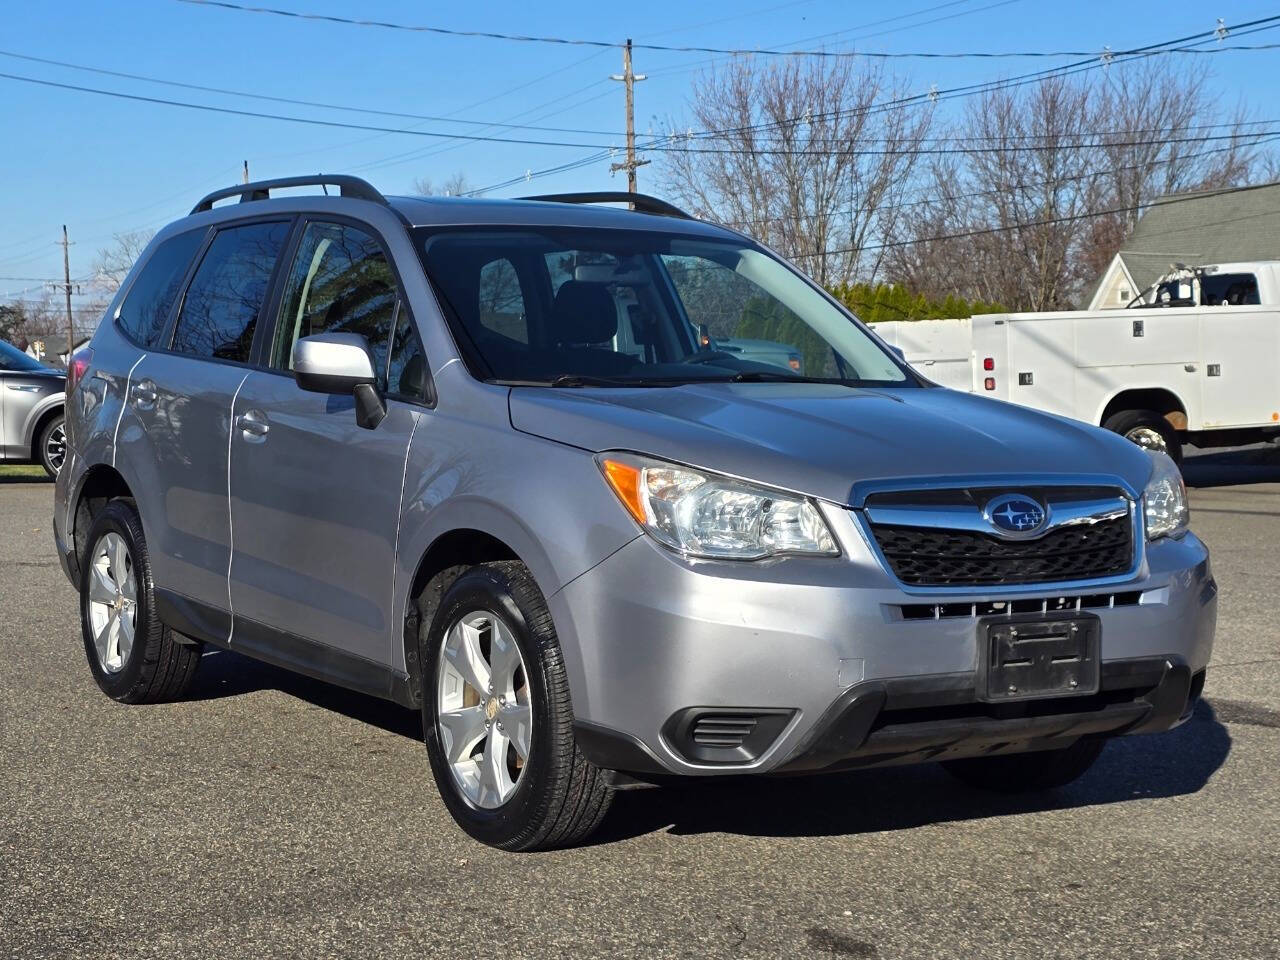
(642, 203)
(261, 189)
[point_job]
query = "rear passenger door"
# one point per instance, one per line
(179, 407)
(315, 498)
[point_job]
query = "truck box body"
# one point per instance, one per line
(1212, 371)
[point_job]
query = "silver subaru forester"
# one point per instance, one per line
(485, 459)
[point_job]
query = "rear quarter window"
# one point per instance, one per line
(146, 307)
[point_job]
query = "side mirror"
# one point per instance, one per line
(340, 363)
(898, 351)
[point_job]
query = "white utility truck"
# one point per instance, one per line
(1194, 359)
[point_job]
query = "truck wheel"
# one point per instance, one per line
(134, 657)
(497, 719)
(1027, 772)
(52, 445)
(1147, 429)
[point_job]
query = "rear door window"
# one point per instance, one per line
(220, 311)
(146, 307)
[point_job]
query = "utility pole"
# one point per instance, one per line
(245, 176)
(66, 286)
(629, 79)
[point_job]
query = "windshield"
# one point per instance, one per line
(11, 358)
(587, 307)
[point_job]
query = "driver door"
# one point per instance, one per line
(315, 498)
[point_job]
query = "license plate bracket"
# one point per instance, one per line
(1038, 658)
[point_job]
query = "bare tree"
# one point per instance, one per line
(115, 262)
(453, 186)
(1051, 178)
(1167, 134)
(809, 155)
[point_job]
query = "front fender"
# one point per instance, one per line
(34, 416)
(551, 506)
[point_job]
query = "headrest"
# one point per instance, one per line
(583, 313)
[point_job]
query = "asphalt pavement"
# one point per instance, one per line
(272, 816)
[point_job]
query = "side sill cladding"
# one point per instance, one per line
(281, 649)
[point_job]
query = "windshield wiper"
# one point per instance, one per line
(587, 380)
(768, 376)
(583, 380)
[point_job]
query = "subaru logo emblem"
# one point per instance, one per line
(1015, 515)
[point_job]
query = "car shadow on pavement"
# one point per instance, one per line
(1260, 464)
(900, 798)
(14, 479)
(226, 674)
(888, 798)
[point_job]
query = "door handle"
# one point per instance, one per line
(144, 393)
(253, 425)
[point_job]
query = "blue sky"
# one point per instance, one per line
(104, 165)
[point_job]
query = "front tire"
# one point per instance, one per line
(133, 656)
(1027, 772)
(1148, 430)
(497, 718)
(52, 445)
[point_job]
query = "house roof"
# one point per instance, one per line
(1205, 226)
(56, 343)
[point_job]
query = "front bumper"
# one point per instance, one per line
(824, 655)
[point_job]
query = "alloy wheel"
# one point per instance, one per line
(483, 708)
(113, 601)
(1149, 438)
(55, 448)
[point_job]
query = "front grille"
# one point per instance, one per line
(931, 557)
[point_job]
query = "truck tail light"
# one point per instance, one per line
(793, 361)
(989, 363)
(989, 383)
(77, 367)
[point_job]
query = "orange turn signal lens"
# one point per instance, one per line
(625, 480)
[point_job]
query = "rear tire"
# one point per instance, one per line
(1147, 429)
(52, 445)
(1027, 772)
(550, 796)
(133, 656)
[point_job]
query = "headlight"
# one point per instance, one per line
(1165, 499)
(706, 515)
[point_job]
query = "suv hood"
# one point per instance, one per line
(821, 439)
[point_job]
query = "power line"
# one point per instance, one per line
(724, 51)
(653, 145)
(301, 103)
(1017, 187)
(315, 121)
(666, 143)
(875, 23)
(489, 124)
(1081, 66)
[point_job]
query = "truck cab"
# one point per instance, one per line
(1216, 285)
